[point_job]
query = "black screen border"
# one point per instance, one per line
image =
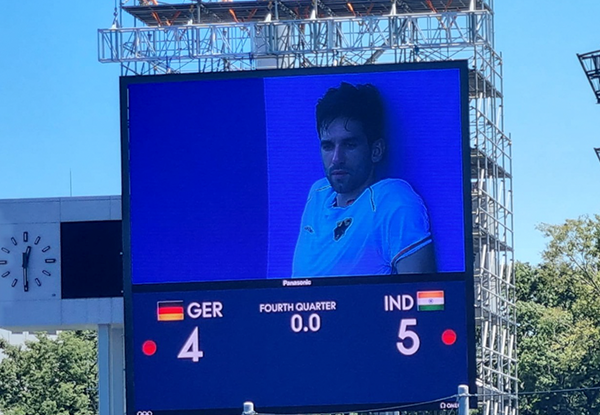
(467, 276)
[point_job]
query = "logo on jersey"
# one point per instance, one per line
(341, 228)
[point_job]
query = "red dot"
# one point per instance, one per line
(449, 337)
(149, 347)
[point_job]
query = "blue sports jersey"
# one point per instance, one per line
(386, 223)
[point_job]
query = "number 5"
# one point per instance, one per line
(403, 334)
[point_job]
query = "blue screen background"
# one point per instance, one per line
(220, 169)
(253, 356)
(198, 181)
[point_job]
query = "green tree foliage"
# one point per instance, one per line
(558, 311)
(50, 376)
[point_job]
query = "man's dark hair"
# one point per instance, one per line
(360, 103)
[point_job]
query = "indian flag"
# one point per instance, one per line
(430, 300)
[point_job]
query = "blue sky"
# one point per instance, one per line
(59, 108)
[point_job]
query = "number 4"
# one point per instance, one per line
(191, 348)
(403, 333)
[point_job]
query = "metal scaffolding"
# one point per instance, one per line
(246, 35)
(590, 62)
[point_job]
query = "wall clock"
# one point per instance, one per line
(28, 260)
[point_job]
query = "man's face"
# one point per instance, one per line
(348, 159)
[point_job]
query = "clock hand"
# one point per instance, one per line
(25, 266)
(26, 255)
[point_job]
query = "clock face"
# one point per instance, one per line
(29, 260)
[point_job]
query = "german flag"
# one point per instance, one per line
(169, 310)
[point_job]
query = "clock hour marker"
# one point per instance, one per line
(6, 274)
(25, 236)
(3, 262)
(37, 240)
(15, 281)
(46, 249)
(38, 282)
(49, 260)
(46, 273)
(6, 250)
(14, 241)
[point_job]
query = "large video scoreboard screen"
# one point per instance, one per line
(300, 239)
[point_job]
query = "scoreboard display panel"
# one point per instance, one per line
(300, 239)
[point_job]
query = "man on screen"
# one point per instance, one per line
(354, 222)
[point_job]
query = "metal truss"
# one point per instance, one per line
(491, 162)
(399, 35)
(590, 62)
(294, 43)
